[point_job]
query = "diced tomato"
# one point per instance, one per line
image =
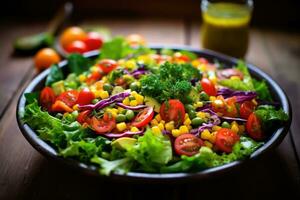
(208, 87)
(107, 65)
(69, 97)
(47, 98)
(225, 139)
(85, 96)
(246, 109)
(60, 106)
(93, 77)
(104, 125)
(83, 117)
(77, 47)
(143, 117)
(172, 110)
(253, 127)
(227, 107)
(93, 41)
(187, 144)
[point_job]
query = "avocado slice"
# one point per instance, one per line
(149, 101)
(58, 87)
(124, 143)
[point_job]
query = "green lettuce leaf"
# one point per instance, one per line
(120, 166)
(77, 63)
(55, 75)
(262, 90)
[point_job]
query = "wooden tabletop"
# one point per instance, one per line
(26, 174)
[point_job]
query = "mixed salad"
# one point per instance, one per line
(137, 109)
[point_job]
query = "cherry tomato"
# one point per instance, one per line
(72, 34)
(84, 116)
(227, 107)
(77, 47)
(253, 127)
(45, 58)
(225, 139)
(85, 96)
(93, 77)
(69, 97)
(187, 144)
(47, 98)
(107, 65)
(180, 57)
(208, 87)
(93, 41)
(104, 125)
(246, 109)
(172, 110)
(120, 81)
(227, 73)
(135, 40)
(143, 117)
(60, 106)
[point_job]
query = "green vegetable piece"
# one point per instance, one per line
(204, 96)
(225, 125)
(189, 107)
(197, 121)
(262, 90)
(34, 42)
(77, 63)
(117, 90)
(149, 101)
(124, 143)
(94, 101)
(108, 87)
(129, 115)
(192, 114)
(189, 54)
(120, 118)
(31, 97)
(54, 75)
(58, 87)
(131, 98)
(134, 86)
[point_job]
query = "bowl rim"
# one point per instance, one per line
(45, 149)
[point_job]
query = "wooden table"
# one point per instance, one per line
(26, 174)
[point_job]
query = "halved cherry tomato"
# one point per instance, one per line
(107, 65)
(246, 109)
(47, 98)
(85, 96)
(104, 125)
(180, 57)
(77, 47)
(227, 73)
(225, 139)
(172, 110)
(60, 106)
(120, 81)
(69, 97)
(227, 107)
(84, 116)
(93, 41)
(253, 127)
(208, 87)
(93, 77)
(143, 117)
(187, 144)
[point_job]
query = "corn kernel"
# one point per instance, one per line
(161, 126)
(121, 126)
(212, 98)
(156, 130)
(199, 104)
(203, 67)
(183, 129)
(139, 99)
(130, 64)
(133, 103)
(176, 132)
(75, 107)
(162, 121)
(97, 93)
(208, 144)
(104, 94)
(186, 116)
(94, 69)
(201, 115)
(235, 128)
(134, 129)
(205, 135)
(133, 93)
(169, 126)
(187, 122)
(154, 122)
(82, 78)
(212, 138)
(195, 63)
(126, 101)
(104, 79)
(158, 117)
(120, 109)
(213, 79)
(115, 110)
(216, 128)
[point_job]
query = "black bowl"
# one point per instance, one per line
(276, 138)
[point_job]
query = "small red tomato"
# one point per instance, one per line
(172, 110)
(93, 77)
(107, 65)
(246, 109)
(85, 96)
(84, 116)
(77, 47)
(187, 144)
(225, 139)
(69, 97)
(93, 41)
(47, 98)
(104, 125)
(143, 117)
(253, 127)
(208, 87)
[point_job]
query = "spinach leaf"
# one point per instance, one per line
(31, 97)
(55, 75)
(262, 90)
(77, 63)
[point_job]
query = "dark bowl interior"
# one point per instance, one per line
(44, 148)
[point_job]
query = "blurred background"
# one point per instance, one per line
(267, 13)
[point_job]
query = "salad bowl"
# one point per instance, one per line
(47, 150)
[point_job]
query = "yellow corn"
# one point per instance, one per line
(202, 67)
(169, 126)
(205, 135)
(96, 93)
(176, 132)
(199, 104)
(235, 128)
(201, 115)
(154, 122)
(104, 94)
(104, 79)
(134, 129)
(75, 107)
(161, 126)
(130, 64)
(186, 116)
(158, 117)
(183, 129)
(126, 101)
(94, 69)
(213, 79)
(133, 93)
(212, 138)
(156, 130)
(82, 78)
(208, 144)
(195, 63)
(187, 122)
(139, 98)
(254, 102)
(163, 122)
(112, 112)
(216, 128)
(121, 126)
(133, 103)
(212, 98)
(120, 109)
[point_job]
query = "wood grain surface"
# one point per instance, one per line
(25, 174)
